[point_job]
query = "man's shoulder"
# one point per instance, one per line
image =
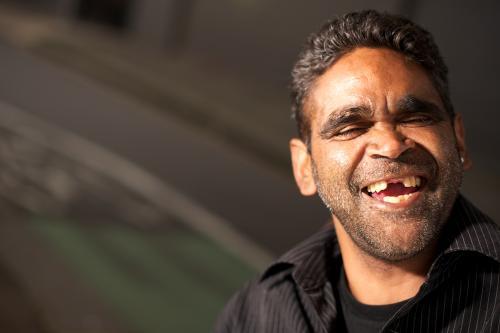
(256, 306)
(308, 262)
(272, 296)
(305, 262)
(472, 230)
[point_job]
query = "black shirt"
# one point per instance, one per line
(461, 292)
(362, 318)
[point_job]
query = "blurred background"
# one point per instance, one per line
(144, 158)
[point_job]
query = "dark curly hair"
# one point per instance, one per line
(363, 29)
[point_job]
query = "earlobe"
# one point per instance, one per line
(460, 138)
(302, 167)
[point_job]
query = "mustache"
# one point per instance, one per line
(416, 162)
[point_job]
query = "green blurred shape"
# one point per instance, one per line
(171, 280)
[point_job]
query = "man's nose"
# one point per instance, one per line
(388, 142)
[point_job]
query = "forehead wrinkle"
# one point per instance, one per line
(334, 87)
(349, 101)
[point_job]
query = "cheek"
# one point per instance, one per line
(340, 158)
(439, 141)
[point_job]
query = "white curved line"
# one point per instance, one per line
(131, 175)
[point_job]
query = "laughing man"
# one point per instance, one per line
(380, 143)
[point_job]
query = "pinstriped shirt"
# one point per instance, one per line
(297, 292)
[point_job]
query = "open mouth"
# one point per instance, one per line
(395, 190)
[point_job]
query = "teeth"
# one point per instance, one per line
(377, 187)
(412, 181)
(397, 199)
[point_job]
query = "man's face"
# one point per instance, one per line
(385, 156)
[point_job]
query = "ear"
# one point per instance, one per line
(458, 126)
(302, 167)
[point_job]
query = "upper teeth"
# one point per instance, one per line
(412, 181)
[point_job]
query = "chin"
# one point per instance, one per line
(396, 240)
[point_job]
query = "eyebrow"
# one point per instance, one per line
(412, 104)
(344, 116)
(348, 115)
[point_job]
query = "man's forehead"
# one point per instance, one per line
(365, 77)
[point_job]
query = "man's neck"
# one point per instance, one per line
(375, 281)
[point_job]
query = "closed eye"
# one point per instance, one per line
(418, 120)
(346, 123)
(350, 132)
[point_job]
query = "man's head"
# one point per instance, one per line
(362, 29)
(383, 148)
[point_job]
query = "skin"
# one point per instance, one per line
(376, 116)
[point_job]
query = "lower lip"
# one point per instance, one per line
(388, 205)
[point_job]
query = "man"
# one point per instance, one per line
(381, 145)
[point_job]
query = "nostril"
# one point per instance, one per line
(410, 143)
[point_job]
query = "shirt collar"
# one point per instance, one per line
(311, 260)
(469, 229)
